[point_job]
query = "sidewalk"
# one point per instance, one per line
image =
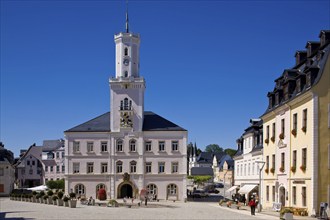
(270, 212)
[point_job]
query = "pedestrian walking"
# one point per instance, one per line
(252, 205)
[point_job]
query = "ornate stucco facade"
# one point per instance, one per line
(127, 149)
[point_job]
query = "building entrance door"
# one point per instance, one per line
(126, 190)
(282, 196)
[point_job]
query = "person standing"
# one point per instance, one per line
(252, 205)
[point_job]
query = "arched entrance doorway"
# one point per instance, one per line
(282, 196)
(126, 190)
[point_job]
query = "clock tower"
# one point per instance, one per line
(127, 88)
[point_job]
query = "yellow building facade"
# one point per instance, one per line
(296, 133)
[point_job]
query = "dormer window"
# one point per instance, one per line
(308, 79)
(126, 51)
(126, 74)
(277, 98)
(298, 88)
(286, 92)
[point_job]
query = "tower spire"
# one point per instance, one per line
(127, 26)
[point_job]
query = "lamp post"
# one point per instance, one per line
(260, 169)
(224, 183)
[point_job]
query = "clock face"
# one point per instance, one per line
(126, 62)
(126, 120)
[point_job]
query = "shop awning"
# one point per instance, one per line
(247, 188)
(231, 188)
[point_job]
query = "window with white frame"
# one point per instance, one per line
(51, 168)
(63, 154)
(132, 145)
(294, 195)
(304, 195)
(273, 193)
(267, 193)
(175, 145)
(119, 145)
(104, 167)
(294, 159)
(148, 167)
(304, 122)
(161, 145)
(90, 167)
(90, 147)
(175, 167)
(76, 167)
(46, 168)
(147, 146)
(161, 167)
(304, 157)
(79, 189)
(104, 146)
(63, 168)
(2, 171)
(171, 190)
(119, 167)
(76, 146)
(152, 189)
(57, 155)
(133, 166)
(57, 168)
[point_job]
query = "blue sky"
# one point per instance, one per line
(208, 64)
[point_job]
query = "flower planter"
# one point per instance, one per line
(288, 216)
(73, 203)
(66, 204)
(60, 202)
(50, 201)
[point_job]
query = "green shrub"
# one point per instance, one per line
(60, 194)
(72, 195)
(50, 193)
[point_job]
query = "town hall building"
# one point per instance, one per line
(127, 150)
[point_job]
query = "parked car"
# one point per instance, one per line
(199, 193)
(218, 185)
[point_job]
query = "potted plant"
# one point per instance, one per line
(73, 201)
(281, 169)
(304, 129)
(50, 194)
(113, 203)
(38, 198)
(42, 193)
(102, 194)
(272, 139)
(303, 168)
(267, 170)
(54, 198)
(267, 141)
(293, 169)
(272, 170)
(281, 136)
(66, 201)
(294, 132)
(45, 199)
(34, 194)
(286, 213)
(60, 198)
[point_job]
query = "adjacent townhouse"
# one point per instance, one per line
(7, 171)
(53, 159)
(248, 161)
(296, 132)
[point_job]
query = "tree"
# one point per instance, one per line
(55, 184)
(230, 152)
(200, 179)
(214, 148)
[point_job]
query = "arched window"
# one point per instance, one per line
(133, 166)
(171, 190)
(79, 189)
(132, 145)
(126, 51)
(152, 190)
(126, 104)
(98, 187)
(119, 145)
(119, 166)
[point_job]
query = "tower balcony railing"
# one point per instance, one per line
(127, 79)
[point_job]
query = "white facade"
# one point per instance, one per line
(128, 149)
(246, 167)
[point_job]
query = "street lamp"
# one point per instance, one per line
(260, 169)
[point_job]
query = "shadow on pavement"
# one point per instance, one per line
(3, 216)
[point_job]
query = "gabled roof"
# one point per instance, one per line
(51, 145)
(49, 162)
(152, 122)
